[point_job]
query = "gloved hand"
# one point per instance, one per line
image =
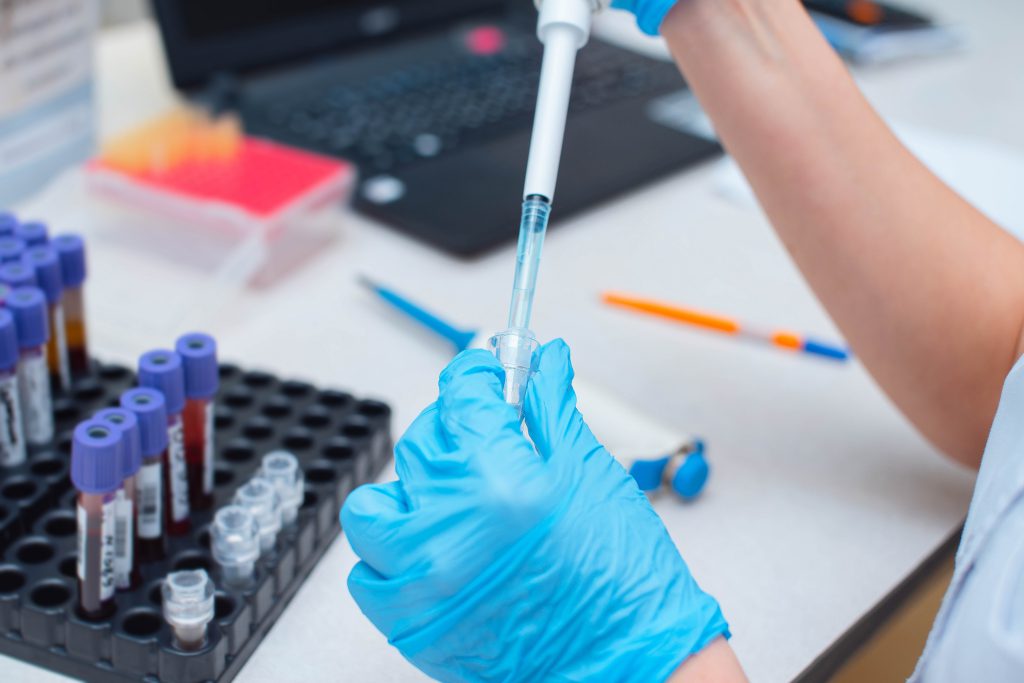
(493, 560)
(649, 13)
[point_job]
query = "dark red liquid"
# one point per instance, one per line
(174, 527)
(195, 453)
(78, 360)
(91, 574)
(151, 549)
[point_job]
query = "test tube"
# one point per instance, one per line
(260, 498)
(188, 607)
(33, 233)
(126, 571)
(162, 370)
(71, 249)
(11, 249)
(235, 544)
(12, 436)
(199, 357)
(95, 476)
(8, 223)
(46, 264)
(281, 469)
(149, 408)
(28, 306)
(17, 274)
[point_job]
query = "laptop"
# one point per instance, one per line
(433, 101)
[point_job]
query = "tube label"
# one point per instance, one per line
(34, 391)
(123, 531)
(178, 470)
(61, 334)
(150, 486)
(208, 450)
(12, 442)
(105, 548)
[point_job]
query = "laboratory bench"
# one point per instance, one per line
(824, 505)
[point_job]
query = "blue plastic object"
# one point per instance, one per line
(648, 473)
(826, 350)
(649, 13)
(18, 274)
(33, 233)
(691, 476)
(9, 351)
(151, 411)
(162, 369)
(494, 558)
(8, 223)
(460, 339)
(28, 306)
(94, 457)
(71, 249)
(198, 353)
(11, 249)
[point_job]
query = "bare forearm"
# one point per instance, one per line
(714, 664)
(927, 290)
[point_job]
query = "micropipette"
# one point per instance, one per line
(563, 26)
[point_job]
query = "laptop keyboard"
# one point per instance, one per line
(433, 108)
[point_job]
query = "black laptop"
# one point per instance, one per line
(433, 100)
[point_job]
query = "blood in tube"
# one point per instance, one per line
(71, 249)
(151, 413)
(199, 356)
(126, 569)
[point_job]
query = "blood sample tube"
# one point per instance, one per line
(33, 233)
(71, 249)
(188, 607)
(94, 473)
(12, 436)
(8, 224)
(149, 408)
(11, 249)
(162, 370)
(28, 305)
(17, 274)
(199, 357)
(126, 571)
(45, 262)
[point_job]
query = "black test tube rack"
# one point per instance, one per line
(341, 442)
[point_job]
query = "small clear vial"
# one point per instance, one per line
(281, 469)
(199, 357)
(235, 544)
(45, 263)
(162, 370)
(12, 436)
(259, 497)
(71, 249)
(28, 306)
(126, 570)
(188, 607)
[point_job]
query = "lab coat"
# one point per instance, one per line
(978, 635)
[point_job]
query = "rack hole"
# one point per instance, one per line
(142, 623)
(373, 409)
(227, 371)
(238, 398)
(60, 525)
(114, 373)
(296, 389)
(320, 474)
(316, 418)
(309, 500)
(64, 443)
(298, 440)
(257, 379)
(192, 561)
(335, 399)
(50, 594)
(203, 539)
(223, 418)
(34, 552)
(223, 606)
(88, 390)
(277, 406)
(258, 429)
(156, 595)
(64, 409)
(19, 489)
(69, 566)
(222, 477)
(355, 430)
(47, 467)
(11, 580)
(338, 449)
(3, 513)
(240, 451)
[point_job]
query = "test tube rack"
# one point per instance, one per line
(341, 442)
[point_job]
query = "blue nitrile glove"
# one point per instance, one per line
(649, 13)
(490, 560)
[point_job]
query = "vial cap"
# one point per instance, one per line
(8, 224)
(198, 353)
(127, 424)
(46, 264)
(94, 461)
(18, 274)
(5, 291)
(32, 233)
(281, 469)
(234, 536)
(71, 249)
(28, 305)
(151, 411)
(11, 249)
(8, 341)
(161, 370)
(188, 598)
(259, 497)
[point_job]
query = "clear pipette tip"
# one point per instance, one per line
(515, 349)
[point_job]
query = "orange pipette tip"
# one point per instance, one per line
(672, 312)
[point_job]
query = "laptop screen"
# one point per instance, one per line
(206, 37)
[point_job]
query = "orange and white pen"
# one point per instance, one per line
(784, 339)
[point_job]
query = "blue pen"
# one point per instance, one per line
(460, 339)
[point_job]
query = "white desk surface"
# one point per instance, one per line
(822, 498)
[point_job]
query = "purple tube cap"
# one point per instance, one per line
(198, 353)
(46, 264)
(18, 274)
(151, 411)
(71, 249)
(28, 305)
(9, 350)
(127, 424)
(94, 457)
(11, 249)
(8, 224)
(33, 233)
(161, 369)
